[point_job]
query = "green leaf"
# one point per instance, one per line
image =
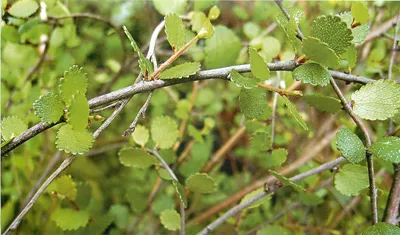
(287, 182)
(175, 30)
(196, 134)
(12, 127)
(378, 100)
(146, 67)
(136, 157)
(140, 135)
(182, 109)
(251, 30)
(253, 194)
(222, 49)
(181, 192)
(350, 145)
(170, 219)
(323, 103)
(74, 80)
(70, 219)
(23, 8)
(319, 51)
(289, 27)
(78, 112)
(360, 12)
(258, 66)
(214, 12)
(64, 186)
(333, 31)
(261, 140)
(312, 73)
(197, 21)
(271, 47)
(351, 56)
(387, 148)
(201, 183)
(310, 199)
(275, 159)
(73, 141)
(294, 112)
(170, 6)
(49, 108)
(351, 179)
(207, 30)
(381, 228)
(359, 32)
(164, 131)
(180, 71)
(241, 81)
(252, 102)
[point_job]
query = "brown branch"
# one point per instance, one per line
(393, 202)
(372, 185)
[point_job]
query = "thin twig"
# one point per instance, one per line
(141, 112)
(395, 41)
(272, 188)
(372, 185)
(171, 173)
(379, 30)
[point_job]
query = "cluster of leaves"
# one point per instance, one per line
(106, 194)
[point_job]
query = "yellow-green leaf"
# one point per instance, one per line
(73, 141)
(175, 30)
(136, 157)
(12, 127)
(360, 12)
(171, 219)
(78, 112)
(258, 66)
(164, 131)
(180, 71)
(23, 8)
(49, 108)
(74, 80)
(319, 51)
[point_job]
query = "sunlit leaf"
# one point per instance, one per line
(333, 31)
(201, 183)
(351, 179)
(73, 141)
(258, 66)
(378, 100)
(318, 51)
(170, 219)
(70, 219)
(78, 112)
(49, 108)
(140, 135)
(387, 148)
(74, 81)
(214, 12)
(175, 30)
(23, 8)
(207, 30)
(164, 131)
(360, 12)
(12, 127)
(180, 71)
(170, 6)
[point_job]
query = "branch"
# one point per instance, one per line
(271, 189)
(372, 185)
(142, 111)
(142, 86)
(60, 169)
(378, 31)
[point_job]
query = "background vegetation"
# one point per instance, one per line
(224, 143)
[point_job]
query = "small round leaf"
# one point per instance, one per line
(12, 127)
(388, 149)
(320, 52)
(140, 135)
(73, 141)
(135, 157)
(201, 183)
(312, 73)
(74, 80)
(70, 219)
(350, 145)
(164, 131)
(78, 112)
(49, 108)
(23, 8)
(171, 219)
(351, 179)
